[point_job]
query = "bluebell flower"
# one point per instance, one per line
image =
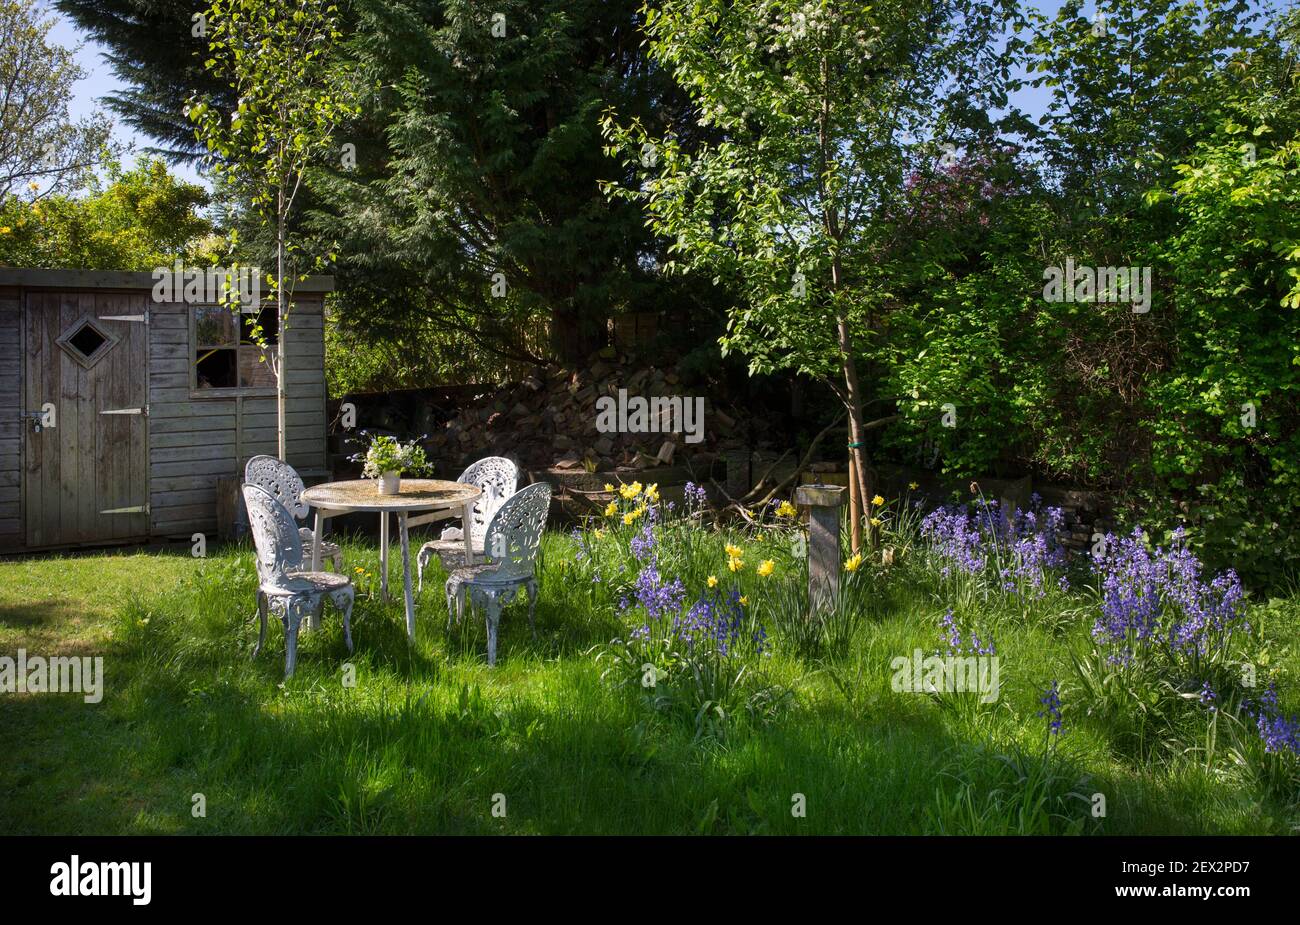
(1051, 701)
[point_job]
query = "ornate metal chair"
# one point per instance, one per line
(284, 484)
(512, 541)
(283, 586)
(497, 476)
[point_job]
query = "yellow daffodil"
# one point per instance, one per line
(786, 509)
(877, 501)
(734, 551)
(744, 600)
(5, 229)
(629, 517)
(852, 563)
(611, 509)
(608, 487)
(913, 486)
(598, 533)
(766, 567)
(713, 581)
(630, 491)
(735, 563)
(876, 521)
(652, 492)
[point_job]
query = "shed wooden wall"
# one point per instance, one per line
(193, 440)
(11, 457)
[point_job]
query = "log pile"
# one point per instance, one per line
(550, 422)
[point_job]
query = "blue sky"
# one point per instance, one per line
(99, 81)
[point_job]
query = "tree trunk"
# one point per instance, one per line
(852, 395)
(855, 510)
(573, 339)
(853, 402)
(282, 339)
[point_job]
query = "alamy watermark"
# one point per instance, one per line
(952, 674)
(661, 414)
(208, 285)
(1081, 283)
(58, 674)
(76, 877)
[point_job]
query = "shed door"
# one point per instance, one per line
(86, 479)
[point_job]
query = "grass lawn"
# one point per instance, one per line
(430, 740)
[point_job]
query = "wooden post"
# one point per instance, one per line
(855, 510)
(824, 503)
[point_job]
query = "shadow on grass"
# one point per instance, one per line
(45, 613)
(430, 740)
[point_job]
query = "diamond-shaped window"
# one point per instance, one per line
(87, 342)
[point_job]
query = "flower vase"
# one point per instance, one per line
(390, 483)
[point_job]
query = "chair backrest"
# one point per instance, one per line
(497, 476)
(515, 533)
(280, 479)
(275, 535)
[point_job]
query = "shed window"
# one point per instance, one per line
(88, 341)
(226, 352)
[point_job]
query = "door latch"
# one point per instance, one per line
(36, 417)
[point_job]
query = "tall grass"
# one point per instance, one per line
(431, 740)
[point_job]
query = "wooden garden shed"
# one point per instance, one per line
(119, 411)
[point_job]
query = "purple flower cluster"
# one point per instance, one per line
(954, 536)
(580, 537)
(1024, 545)
(1157, 598)
(1051, 701)
(716, 623)
(643, 544)
(1208, 697)
(658, 597)
(957, 645)
(1280, 733)
(696, 496)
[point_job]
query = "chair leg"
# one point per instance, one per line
(294, 611)
(451, 606)
(343, 600)
(261, 616)
(493, 620)
(420, 562)
(318, 613)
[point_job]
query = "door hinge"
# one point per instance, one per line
(138, 509)
(144, 410)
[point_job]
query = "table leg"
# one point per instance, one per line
(406, 576)
(467, 521)
(383, 555)
(315, 545)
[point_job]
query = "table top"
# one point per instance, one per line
(413, 495)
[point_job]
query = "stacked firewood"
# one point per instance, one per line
(550, 421)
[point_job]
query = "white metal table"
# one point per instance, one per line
(415, 496)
